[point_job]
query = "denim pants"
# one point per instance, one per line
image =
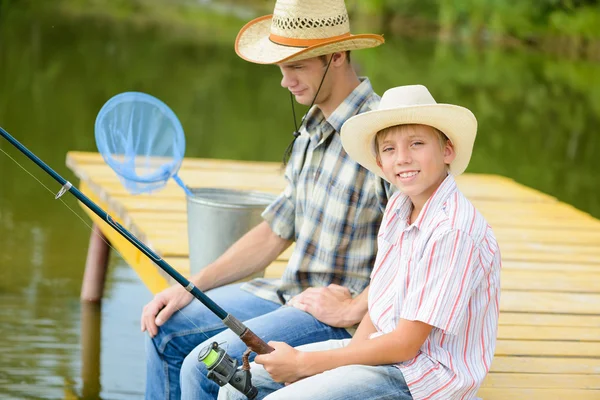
(360, 382)
(172, 367)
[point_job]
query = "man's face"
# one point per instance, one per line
(302, 79)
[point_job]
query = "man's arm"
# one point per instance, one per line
(333, 305)
(251, 253)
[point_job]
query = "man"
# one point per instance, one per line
(331, 208)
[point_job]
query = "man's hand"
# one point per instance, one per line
(160, 309)
(332, 305)
(283, 364)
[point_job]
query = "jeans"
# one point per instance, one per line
(361, 382)
(172, 368)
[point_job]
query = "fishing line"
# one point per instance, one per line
(89, 227)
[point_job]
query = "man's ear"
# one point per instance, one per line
(339, 58)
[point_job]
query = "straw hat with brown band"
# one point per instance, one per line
(300, 29)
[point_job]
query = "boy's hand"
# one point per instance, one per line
(283, 364)
(160, 309)
(331, 304)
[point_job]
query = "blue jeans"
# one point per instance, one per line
(172, 368)
(360, 382)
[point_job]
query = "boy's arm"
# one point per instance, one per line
(364, 330)
(287, 364)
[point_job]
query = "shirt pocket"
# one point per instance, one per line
(339, 211)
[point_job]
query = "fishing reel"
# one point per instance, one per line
(223, 369)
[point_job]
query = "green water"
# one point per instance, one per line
(538, 124)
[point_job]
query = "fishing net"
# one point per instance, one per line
(142, 140)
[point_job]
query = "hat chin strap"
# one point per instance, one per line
(296, 133)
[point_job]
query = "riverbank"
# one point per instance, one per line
(566, 29)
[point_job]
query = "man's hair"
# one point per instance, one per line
(382, 134)
(323, 58)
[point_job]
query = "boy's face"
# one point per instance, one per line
(302, 79)
(413, 159)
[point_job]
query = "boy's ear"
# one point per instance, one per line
(449, 153)
(378, 161)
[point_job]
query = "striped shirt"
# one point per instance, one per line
(331, 207)
(444, 270)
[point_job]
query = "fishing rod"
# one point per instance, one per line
(222, 368)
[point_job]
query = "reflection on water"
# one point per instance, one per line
(538, 119)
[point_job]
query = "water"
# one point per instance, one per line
(538, 122)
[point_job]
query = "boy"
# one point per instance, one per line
(431, 326)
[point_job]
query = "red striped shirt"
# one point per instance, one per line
(452, 259)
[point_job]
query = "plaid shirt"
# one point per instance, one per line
(331, 207)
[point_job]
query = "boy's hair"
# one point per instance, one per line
(382, 134)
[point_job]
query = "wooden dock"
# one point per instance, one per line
(549, 336)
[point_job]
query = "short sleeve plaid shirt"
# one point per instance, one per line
(331, 207)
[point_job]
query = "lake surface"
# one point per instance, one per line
(538, 124)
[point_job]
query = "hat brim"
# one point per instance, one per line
(457, 123)
(253, 44)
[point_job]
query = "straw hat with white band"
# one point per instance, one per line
(300, 29)
(405, 105)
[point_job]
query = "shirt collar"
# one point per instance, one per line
(348, 108)
(431, 206)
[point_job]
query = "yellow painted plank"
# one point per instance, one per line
(537, 394)
(542, 381)
(550, 333)
(548, 302)
(149, 276)
(511, 254)
(475, 185)
(549, 320)
(77, 160)
(566, 281)
(160, 220)
(545, 365)
(547, 348)
(541, 267)
(569, 236)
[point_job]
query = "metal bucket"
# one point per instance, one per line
(217, 218)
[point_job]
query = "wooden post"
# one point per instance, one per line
(91, 333)
(96, 265)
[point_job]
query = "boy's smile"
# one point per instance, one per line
(414, 159)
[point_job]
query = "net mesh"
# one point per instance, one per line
(141, 139)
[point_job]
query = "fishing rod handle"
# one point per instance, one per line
(253, 342)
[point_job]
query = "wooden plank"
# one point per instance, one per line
(537, 394)
(567, 236)
(549, 348)
(545, 365)
(80, 160)
(542, 381)
(550, 320)
(556, 281)
(548, 333)
(541, 267)
(149, 276)
(548, 302)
